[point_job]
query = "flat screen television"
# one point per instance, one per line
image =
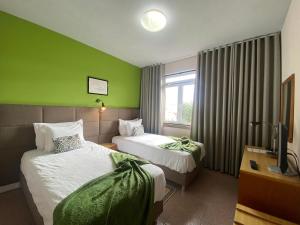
(282, 162)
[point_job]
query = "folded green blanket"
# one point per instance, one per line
(123, 197)
(119, 157)
(185, 144)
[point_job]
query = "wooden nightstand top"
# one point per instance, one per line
(110, 145)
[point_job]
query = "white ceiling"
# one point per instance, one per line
(113, 26)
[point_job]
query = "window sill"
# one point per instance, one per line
(177, 125)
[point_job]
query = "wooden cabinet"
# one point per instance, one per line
(110, 145)
(247, 216)
(268, 192)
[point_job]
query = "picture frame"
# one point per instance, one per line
(97, 86)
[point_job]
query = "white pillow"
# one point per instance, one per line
(39, 136)
(126, 126)
(131, 125)
(50, 131)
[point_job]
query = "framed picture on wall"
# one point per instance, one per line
(97, 86)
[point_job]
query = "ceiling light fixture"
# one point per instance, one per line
(153, 20)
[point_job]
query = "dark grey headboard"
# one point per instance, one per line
(109, 121)
(17, 133)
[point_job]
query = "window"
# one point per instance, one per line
(179, 96)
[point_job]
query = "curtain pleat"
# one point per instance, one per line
(236, 84)
(151, 98)
(218, 109)
(257, 93)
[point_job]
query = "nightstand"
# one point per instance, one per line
(264, 191)
(110, 145)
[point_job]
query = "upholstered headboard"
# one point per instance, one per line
(109, 121)
(17, 134)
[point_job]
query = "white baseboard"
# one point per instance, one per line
(9, 187)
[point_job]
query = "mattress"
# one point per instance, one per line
(52, 177)
(146, 146)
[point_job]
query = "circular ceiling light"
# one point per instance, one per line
(153, 20)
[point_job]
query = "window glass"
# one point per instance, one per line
(171, 104)
(187, 100)
(179, 96)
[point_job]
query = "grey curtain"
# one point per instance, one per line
(236, 84)
(151, 97)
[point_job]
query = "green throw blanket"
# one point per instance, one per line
(185, 144)
(123, 197)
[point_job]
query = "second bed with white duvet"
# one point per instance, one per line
(146, 146)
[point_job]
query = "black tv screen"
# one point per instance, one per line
(282, 147)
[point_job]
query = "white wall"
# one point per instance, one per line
(176, 131)
(291, 62)
(181, 65)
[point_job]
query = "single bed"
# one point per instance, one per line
(52, 177)
(178, 166)
(17, 137)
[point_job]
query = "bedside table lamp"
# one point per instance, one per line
(103, 108)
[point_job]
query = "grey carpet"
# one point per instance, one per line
(13, 209)
(210, 200)
(170, 191)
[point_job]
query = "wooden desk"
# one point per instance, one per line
(272, 193)
(247, 216)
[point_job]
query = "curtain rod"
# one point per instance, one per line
(239, 42)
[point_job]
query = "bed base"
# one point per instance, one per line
(183, 179)
(38, 219)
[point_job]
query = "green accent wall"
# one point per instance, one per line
(42, 67)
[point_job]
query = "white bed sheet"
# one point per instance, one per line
(146, 147)
(52, 177)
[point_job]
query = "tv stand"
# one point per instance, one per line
(276, 169)
(268, 192)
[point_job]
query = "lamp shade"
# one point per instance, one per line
(103, 107)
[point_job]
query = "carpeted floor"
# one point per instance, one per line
(13, 209)
(169, 192)
(210, 200)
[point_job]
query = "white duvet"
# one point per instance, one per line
(52, 177)
(146, 146)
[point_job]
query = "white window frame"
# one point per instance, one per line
(180, 85)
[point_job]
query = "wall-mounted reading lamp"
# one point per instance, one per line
(102, 104)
